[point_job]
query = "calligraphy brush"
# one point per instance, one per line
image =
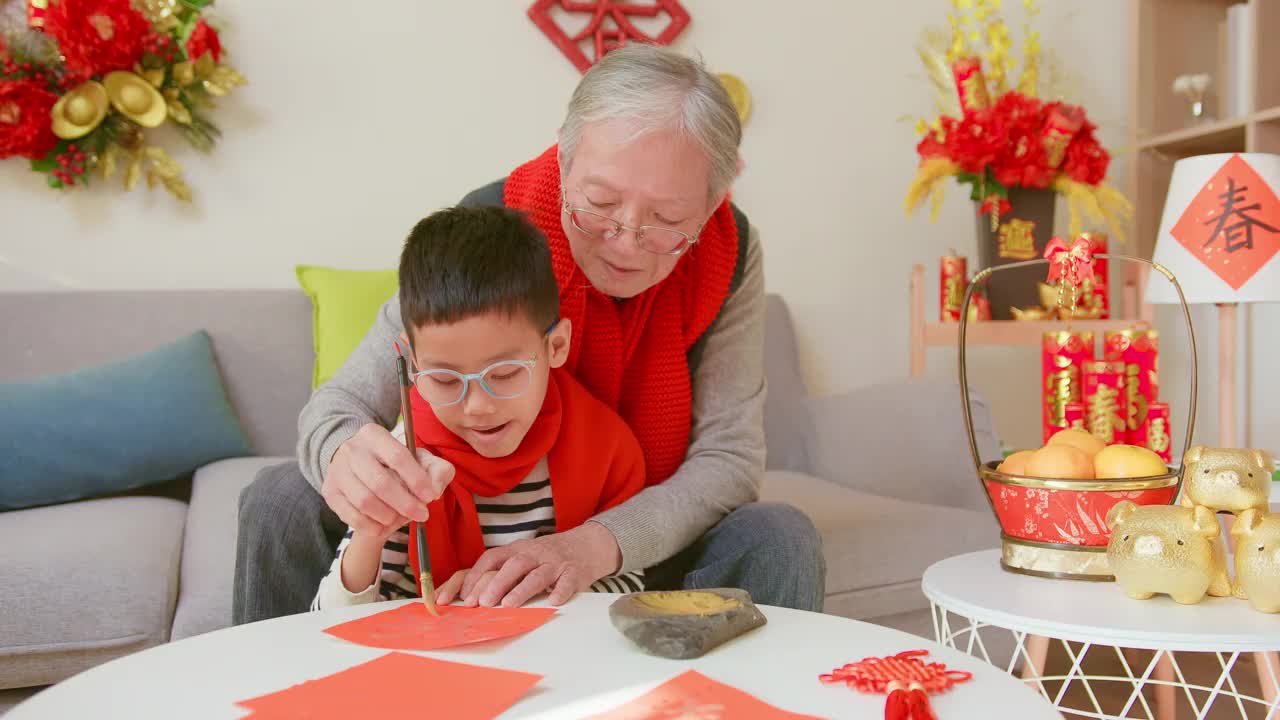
(426, 587)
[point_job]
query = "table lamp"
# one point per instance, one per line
(1220, 236)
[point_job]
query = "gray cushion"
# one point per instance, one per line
(903, 439)
(261, 340)
(209, 550)
(871, 541)
(85, 583)
(788, 426)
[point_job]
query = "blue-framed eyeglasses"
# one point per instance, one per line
(503, 380)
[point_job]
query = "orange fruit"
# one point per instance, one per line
(1128, 461)
(1086, 442)
(1016, 463)
(1060, 461)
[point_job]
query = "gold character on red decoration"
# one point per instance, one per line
(1103, 406)
(1060, 387)
(1158, 436)
(1016, 240)
(1137, 403)
(955, 293)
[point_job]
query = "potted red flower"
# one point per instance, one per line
(1016, 151)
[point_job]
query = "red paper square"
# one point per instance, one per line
(694, 696)
(411, 627)
(394, 684)
(1233, 224)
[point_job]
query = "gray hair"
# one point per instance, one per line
(658, 89)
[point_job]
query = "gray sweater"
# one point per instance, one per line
(722, 470)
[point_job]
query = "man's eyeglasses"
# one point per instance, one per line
(650, 238)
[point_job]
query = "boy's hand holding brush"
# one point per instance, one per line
(361, 560)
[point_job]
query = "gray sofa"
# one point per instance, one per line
(883, 471)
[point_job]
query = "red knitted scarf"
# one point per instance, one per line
(633, 354)
(592, 457)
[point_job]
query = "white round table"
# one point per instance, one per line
(971, 592)
(588, 667)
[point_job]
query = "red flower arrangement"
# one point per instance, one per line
(204, 39)
(24, 119)
(81, 81)
(97, 36)
(994, 137)
(1086, 162)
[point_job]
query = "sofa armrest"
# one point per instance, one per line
(903, 439)
(209, 547)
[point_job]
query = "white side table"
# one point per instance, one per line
(971, 592)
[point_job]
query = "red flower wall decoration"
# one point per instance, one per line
(609, 25)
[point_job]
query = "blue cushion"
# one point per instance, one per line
(119, 426)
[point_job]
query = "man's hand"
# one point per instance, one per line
(449, 591)
(376, 486)
(565, 563)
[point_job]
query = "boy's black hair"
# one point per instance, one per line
(460, 262)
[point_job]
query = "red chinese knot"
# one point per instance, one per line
(905, 678)
(609, 25)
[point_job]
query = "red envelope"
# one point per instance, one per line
(411, 627)
(385, 687)
(694, 696)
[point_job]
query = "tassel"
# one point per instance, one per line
(898, 705)
(921, 709)
(907, 704)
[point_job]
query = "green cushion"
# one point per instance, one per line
(344, 305)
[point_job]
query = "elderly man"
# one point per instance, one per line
(662, 278)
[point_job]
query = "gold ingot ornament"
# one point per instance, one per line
(135, 98)
(1032, 314)
(79, 111)
(1258, 560)
(1166, 549)
(1227, 479)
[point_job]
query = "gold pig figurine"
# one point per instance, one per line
(1258, 559)
(1166, 549)
(1226, 479)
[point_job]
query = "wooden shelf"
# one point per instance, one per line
(1008, 333)
(1172, 38)
(1267, 115)
(1014, 332)
(1223, 136)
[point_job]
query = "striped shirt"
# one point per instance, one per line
(524, 513)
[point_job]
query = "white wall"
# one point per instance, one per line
(361, 118)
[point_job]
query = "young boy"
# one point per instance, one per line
(533, 452)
